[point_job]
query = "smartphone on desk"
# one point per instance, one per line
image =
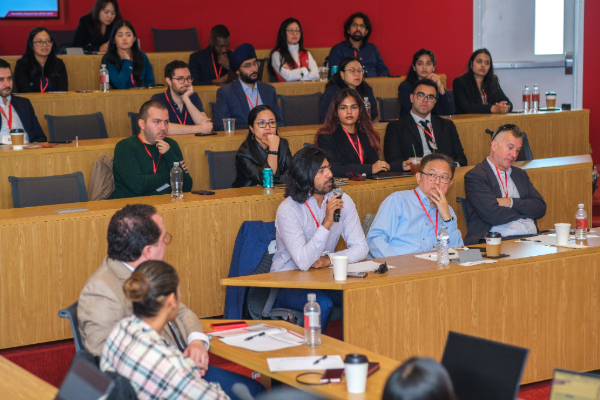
(206, 134)
(203, 192)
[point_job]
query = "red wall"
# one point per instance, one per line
(591, 78)
(447, 31)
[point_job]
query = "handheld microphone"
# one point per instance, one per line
(336, 213)
(489, 131)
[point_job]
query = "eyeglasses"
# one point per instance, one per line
(264, 124)
(355, 71)
(183, 80)
(433, 177)
(168, 238)
(426, 97)
(505, 127)
(41, 43)
(356, 177)
(293, 31)
(360, 26)
(255, 64)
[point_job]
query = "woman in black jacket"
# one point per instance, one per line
(93, 31)
(40, 70)
(262, 149)
(478, 91)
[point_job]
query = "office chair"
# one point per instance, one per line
(66, 128)
(175, 39)
(71, 314)
(133, 119)
(300, 109)
(48, 190)
(221, 168)
(389, 109)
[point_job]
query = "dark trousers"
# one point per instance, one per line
(227, 379)
(296, 299)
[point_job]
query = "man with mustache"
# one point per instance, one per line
(142, 164)
(238, 98)
(16, 112)
(210, 66)
(307, 233)
(357, 30)
(501, 198)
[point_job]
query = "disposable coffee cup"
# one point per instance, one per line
(340, 267)
(562, 233)
(229, 125)
(17, 138)
(415, 164)
(550, 99)
(356, 367)
(493, 242)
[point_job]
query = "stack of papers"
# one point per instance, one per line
(260, 337)
(453, 254)
(280, 364)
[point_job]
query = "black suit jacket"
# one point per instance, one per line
(401, 135)
(202, 69)
(24, 110)
(483, 212)
(464, 103)
(26, 84)
(249, 169)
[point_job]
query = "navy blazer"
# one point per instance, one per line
(483, 212)
(232, 103)
(26, 113)
(202, 68)
(401, 135)
(443, 106)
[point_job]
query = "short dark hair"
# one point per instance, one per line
(437, 156)
(419, 379)
(5, 64)
(219, 31)
(365, 18)
(130, 230)
(301, 181)
(172, 66)
(516, 131)
(148, 287)
(426, 82)
(148, 105)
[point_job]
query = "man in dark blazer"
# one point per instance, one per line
(239, 97)
(16, 112)
(210, 66)
(501, 197)
(422, 133)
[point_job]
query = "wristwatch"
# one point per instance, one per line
(275, 153)
(451, 219)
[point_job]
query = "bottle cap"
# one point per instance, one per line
(103, 66)
(581, 206)
(176, 164)
(312, 297)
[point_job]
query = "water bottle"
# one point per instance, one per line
(104, 80)
(368, 106)
(536, 98)
(526, 99)
(312, 321)
(176, 181)
(581, 224)
(443, 242)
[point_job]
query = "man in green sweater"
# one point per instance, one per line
(142, 164)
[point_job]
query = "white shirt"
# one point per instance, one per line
(16, 121)
(422, 132)
(297, 74)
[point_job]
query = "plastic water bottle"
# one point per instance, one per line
(104, 80)
(176, 181)
(581, 224)
(368, 106)
(443, 243)
(526, 99)
(312, 321)
(536, 98)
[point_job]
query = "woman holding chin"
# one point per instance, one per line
(262, 149)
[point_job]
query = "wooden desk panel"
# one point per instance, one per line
(19, 384)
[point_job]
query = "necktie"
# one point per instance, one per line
(428, 138)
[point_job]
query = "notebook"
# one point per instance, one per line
(574, 386)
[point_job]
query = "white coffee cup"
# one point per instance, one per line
(356, 367)
(562, 233)
(340, 267)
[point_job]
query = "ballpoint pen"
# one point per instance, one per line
(320, 359)
(252, 337)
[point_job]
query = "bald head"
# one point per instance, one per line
(505, 147)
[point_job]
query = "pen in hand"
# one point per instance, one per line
(320, 359)
(252, 337)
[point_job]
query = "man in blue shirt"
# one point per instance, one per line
(186, 114)
(408, 221)
(357, 30)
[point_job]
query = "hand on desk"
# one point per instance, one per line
(322, 262)
(500, 108)
(220, 81)
(504, 202)
(197, 352)
(406, 165)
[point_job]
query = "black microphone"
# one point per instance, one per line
(336, 213)
(489, 131)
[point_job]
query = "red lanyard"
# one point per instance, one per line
(154, 166)
(218, 74)
(359, 151)
(484, 98)
(131, 76)
(505, 186)
(250, 101)
(9, 118)
(43, 88)
(355, 53)
(311, 213)
(427, 132)
(184, 118)
(426, 213)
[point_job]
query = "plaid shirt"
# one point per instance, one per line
(156, 369)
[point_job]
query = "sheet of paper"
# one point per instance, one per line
(268, 342)
(365, 266)
(470, 264)
(550, 240)
(241, 331)
(453, 254)
(304, 363)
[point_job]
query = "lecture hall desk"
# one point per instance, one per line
(45, 257)
(19, 384)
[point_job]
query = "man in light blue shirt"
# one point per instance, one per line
(408, 221)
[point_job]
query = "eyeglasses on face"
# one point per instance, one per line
(359, 26)
(41, 43)
(433, 177)
(293, 31)
(355, 71)
(264, 124)
(183, 80)
(426, 97)
(254, 64)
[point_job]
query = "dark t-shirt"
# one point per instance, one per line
(177, 116)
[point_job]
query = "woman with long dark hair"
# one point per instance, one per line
(263, 148)
(289, 59)
(348, 137)
(40, 70)
(127, 65)
(349, 75)
(93, 31)
(419, 379)
(478, 91)
(423, 67)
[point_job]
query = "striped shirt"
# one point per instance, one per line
(156, 369)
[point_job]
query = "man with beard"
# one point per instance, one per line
(307, 233)
(238, 98)
(357, 30)
(186, 114)
(210, 66)
(142, 164)
(16, 112)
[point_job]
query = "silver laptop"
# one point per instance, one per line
(569, 385)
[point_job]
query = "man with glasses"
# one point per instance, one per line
(186, 114)
(501, 198)
(420, 133)
(136, 234)
(210, 66)
(238, 98)
(409, 221)
(357, 30)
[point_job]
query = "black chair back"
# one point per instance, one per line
(463, 206)
(221, 168)
(212, 108)
(62, 39)
(71, 314)
(175, 39)
(48, 190)
(133, 119)
(66, 128)
(300, 109)
(389, 109)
